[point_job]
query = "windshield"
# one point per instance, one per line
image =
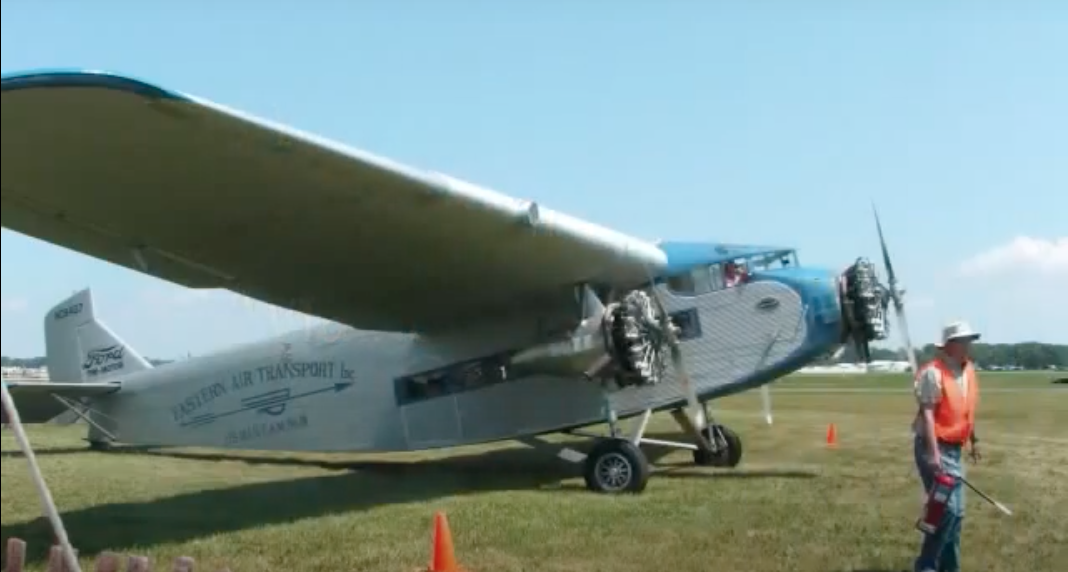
(772, 261)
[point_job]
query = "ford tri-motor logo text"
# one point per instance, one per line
(104, 360)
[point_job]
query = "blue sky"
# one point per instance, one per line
(766, 122)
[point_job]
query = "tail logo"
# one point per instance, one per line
(104, 360)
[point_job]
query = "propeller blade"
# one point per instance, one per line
(766, 391)
(676, 353)
(677, 360)
(895, 293)
(890, 276)
(592, 307)
(913, 360)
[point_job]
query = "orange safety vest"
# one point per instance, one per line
(954, 416)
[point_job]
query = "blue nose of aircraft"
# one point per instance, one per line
(818, 289)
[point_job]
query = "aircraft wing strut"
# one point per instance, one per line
(37, 401)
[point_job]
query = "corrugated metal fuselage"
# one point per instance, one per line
(331, 388)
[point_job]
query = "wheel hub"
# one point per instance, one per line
(614, 472)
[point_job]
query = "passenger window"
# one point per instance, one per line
(478, 374)
(451, 380)
(693, 283)
(425, 387)
(702, 281)
(716, 276)
(682, 284)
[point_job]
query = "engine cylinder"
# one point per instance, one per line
(864, 306)
(635, 340)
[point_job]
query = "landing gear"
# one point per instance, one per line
(726, 451)
(617, 466)
(99, 446)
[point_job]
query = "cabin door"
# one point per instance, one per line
(432, 423)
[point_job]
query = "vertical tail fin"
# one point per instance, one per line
(81, 348)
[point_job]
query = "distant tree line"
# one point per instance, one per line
(1030, 356)
(38, 362)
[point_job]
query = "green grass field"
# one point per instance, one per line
(794, 505)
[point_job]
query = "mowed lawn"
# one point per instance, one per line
(795, 505)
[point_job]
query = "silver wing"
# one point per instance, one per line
(194, 193)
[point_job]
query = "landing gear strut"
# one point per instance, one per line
(617, 464)
(726, 451)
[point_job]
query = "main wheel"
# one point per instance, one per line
(616, 466)
(99, 446)
(728, 448)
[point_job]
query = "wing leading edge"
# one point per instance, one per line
(207, 197)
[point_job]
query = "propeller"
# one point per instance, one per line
(677, 361)
(896, 295)
(694, 410)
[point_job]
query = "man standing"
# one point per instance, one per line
(947, 390)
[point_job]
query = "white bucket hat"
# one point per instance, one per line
(960, 330)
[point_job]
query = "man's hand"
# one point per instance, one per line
(934, 461)
(975, 453)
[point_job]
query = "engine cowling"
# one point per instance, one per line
(621, 344)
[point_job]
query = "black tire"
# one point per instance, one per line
(729, 453)
(100, 446)
(616, 466)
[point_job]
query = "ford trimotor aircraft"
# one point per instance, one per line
(454, 315)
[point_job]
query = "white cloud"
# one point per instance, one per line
(12, 305)
(1024, 258)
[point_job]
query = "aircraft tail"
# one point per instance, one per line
(83, 349)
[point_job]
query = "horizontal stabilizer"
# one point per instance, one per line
(37, 403)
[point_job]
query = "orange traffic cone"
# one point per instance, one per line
(832, 435)
(442, 556)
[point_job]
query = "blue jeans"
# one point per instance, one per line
(941, 551)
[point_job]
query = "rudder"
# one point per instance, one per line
(80, 348)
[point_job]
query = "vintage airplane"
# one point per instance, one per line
(455, 315)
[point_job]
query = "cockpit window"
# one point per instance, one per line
(735, 272)
(728, 274)
(774, 261)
